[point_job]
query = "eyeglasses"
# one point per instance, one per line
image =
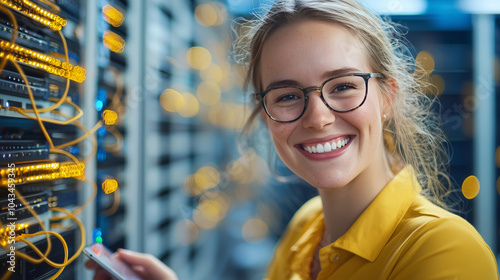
(341, 94)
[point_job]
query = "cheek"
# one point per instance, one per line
(280, 133)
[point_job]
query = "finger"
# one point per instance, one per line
(146, 265)
(90, 264)
(135, 258)
(101, 274)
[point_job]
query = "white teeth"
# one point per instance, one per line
(320, 149)
(327, 147)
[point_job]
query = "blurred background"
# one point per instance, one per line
(163, 95)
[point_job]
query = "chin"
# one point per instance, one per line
(327, 183)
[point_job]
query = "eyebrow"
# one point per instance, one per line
(326, 75)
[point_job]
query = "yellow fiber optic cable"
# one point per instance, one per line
(80, 208)
(65, 94)
(81, 138)
(116, 202)
(119, 86)
(35, 215)
(32, 99)
(22, 238)
(93, 140)
(36, 13)
(54, 8)
(6, 275)
(63, 152)
(119, 140)
(14, 32)
(80, 226)
(68, 121)
(67, 261)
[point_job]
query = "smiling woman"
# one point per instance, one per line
(346, 114)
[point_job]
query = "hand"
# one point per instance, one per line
(145, 266)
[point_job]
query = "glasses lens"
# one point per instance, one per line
(345, 93)
(284, 104)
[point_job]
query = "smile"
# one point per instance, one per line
(319, 148)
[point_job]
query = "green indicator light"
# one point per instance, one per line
(98, 239)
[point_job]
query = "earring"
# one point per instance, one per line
(385, 116)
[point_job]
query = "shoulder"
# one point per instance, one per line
(445, 244)
(299, 224)
(306, 213)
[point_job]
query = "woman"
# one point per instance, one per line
(347, 116)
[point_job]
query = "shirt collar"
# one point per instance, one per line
(372, 230)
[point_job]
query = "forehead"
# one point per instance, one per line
(305, 50)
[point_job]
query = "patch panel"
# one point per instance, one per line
(42, 172)
(24, 150)
(36, 13)
(24, 226)
(23, 102)
(12, 83)
(63, 196)
(28, 270)
(37, 202)
(26, 37)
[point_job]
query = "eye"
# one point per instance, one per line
(343, 87)
(287, 97)
(284, 96)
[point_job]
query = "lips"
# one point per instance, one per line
(326, 146)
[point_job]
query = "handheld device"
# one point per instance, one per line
(103, 256)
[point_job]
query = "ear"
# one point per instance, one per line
(390, 89)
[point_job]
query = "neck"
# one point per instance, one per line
(341, 207)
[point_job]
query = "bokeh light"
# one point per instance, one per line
(208, 93)
(191, 106)
(254, 230)
(228, 115)
(207, 177)
(191, 187)
(209, 212)
(249, 168)
(171, 100)
(186, 232)
(438, 84)
(426, 61)
(211, 14)
(212, 73)
(222, 199)
(198, 58)
(205, 14)
(470, 187)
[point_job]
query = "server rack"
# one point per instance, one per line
(40, 64)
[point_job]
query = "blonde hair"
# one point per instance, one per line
(412, 135)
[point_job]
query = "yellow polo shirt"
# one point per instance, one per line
(400, 236)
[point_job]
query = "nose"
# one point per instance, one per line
(317, 114)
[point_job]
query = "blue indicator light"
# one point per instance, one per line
(98, 105)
